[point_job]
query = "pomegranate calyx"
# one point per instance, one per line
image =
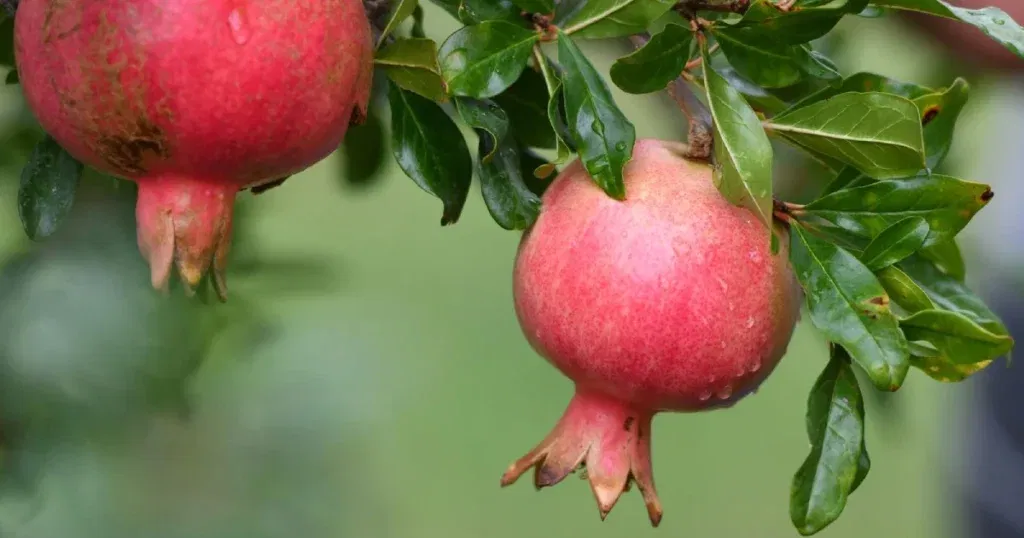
(606, 439)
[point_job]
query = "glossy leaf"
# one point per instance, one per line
(939, 114)
(895, 243)
(557, 118)
(400, 10)
(835, 427)
(652, 67)
(417, 23)
(948, 293)
(49, 181)
(847, 178)
(412, 65)
(866, 82)
(478, 11)
(757, 96)
(483, 60)
(508, 198)
(795, 26)
(430, 149)
(903, 290)
(948, 258)
(364, 150)
(765, 63)
(526, 104)
(604, 136)
(962, 347)
(945, 202)
(600, 19)
(994, 22)
(849, 305)
(543, 7)
(742, 152)
(879, 134)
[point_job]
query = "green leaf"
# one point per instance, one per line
(556, 110)
(743, 154)
(488, 119)
(430, 149)
(544, 7)
(508, 198)
(958, 341)
(849, 305)
(879, 134)
(604, 136)
(895, 243)
(939, 114)
(417, 22)
(652, 67)
(945, 202)
(764, 62)
(866, 82)
(948, 293)
(600, 19)
(903, 290)
(947, 257)
(847, 178)
(412, 65)
(757, 96)
(48, 185)
(994, 22)
(483, 60)
(478, 11)
(400, 10)
(526, 103)
(835, 427)
(795, 26)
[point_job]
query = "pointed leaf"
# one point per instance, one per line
(652, 67)
(895, 243)
(866, 82)
(962, 347)
(849, 305)
(947, 257)
(412, 65)
(430, 149)
(795, 26)
(604, 136)
(835, 426)
(743, 153)
(765, 63)
(48, 185)
(879, 134)
(945, 202)
(903, 290)
(939, 113)
(488, 119)
(526, 104)
(483, 60)
(948, 293)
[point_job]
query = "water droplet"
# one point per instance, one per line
(1000, 22)
(755, 367)
(597, 127)
(750, 322)
(621, 146)
(725, 393)
(239, 26)
(933, 368)
(705, 396)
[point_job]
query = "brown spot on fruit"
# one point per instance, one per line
(134, 151)
(628, 423)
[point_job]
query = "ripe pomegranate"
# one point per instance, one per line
(194, 100)
(668, 301)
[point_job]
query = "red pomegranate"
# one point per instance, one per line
(668, 301)
(194, 100)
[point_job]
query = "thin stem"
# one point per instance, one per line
(691, 7)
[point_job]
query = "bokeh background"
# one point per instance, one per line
(368, 378)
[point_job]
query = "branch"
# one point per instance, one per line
(701, 134)
(689, 8)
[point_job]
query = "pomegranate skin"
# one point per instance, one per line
(195, 100)
(668, 301)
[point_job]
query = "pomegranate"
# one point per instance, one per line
(194, 100)
(669, 301)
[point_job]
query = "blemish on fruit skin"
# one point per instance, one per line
(628, 423)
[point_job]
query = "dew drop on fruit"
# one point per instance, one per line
(750, 322)
(705, 396)
(725, 393)
(755, 367)
(239, 26)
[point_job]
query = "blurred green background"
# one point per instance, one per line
(367, 377)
